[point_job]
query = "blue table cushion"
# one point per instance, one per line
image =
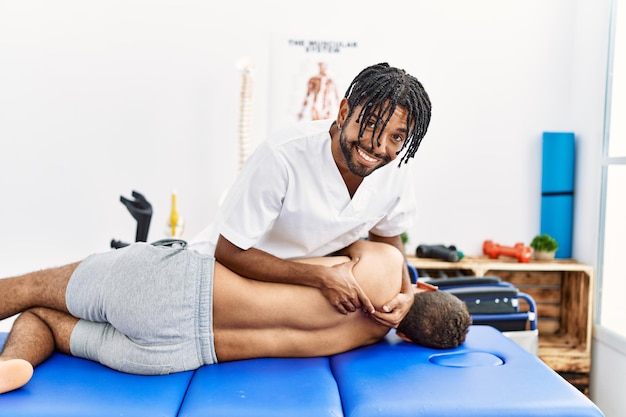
(68, 386)
(264, 387)
(489, 375)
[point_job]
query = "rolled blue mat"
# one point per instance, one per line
(557, 189)
(557, 220)
(557, 170)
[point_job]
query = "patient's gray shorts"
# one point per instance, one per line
(145, 309)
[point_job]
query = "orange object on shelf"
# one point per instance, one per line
(519, 251)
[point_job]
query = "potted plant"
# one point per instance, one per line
(544, 247)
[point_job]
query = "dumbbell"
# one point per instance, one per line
(520, 251)
(442, 252)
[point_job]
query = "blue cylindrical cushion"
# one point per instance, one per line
(557, 162)
(557, 220)
(557, 189)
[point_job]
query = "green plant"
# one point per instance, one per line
(545, 243)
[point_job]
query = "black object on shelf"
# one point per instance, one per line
(445, 253)
(141, 210)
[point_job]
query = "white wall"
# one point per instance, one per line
(98, 98)
(608, 372)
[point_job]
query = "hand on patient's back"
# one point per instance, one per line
(394, 311)
(343, 291)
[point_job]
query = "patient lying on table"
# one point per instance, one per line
(155, 310)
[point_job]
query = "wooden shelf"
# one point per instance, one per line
(480, 265)
(562, 290)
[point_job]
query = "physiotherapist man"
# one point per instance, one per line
(316, 187)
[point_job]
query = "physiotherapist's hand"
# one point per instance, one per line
(343, 291)
(394, 311)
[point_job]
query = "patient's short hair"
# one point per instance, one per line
(437, 319)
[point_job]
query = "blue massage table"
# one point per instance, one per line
(489, 375)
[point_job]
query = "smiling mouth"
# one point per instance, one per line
(366, 157)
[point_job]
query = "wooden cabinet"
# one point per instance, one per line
(563, 292)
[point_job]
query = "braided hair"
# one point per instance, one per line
(381, 89)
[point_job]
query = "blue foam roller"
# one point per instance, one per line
(558, 159)
(73, 387)
(557, 220)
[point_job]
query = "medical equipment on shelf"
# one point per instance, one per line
(141, 210)
(175, 223)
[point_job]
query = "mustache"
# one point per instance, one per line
(371, 151)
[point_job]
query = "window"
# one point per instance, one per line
(612, 248)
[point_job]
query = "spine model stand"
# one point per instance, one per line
(245, 109)
(175, 224)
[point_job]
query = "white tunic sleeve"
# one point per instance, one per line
(255, 200)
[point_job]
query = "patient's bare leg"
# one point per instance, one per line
(45, 288)
(34, 337)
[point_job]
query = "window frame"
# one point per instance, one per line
(608, 160)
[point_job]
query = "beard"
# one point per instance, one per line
(349, 150)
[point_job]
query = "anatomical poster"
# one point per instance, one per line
(309, 76)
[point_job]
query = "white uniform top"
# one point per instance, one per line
(290, 200)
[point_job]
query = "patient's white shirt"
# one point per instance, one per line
(290, 200)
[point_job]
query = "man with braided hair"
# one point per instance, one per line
(317, 187)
